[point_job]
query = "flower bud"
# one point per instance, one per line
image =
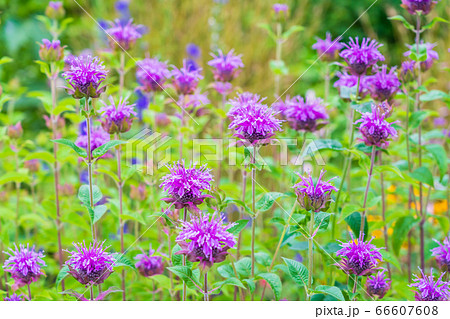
(51, 51)
(138, 193)
(32, 165)
(15, 131)
(55, 10)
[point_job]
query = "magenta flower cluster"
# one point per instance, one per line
(375, 129)
(85, 76)
(149, 265)
(117, 118)
(383, 85)
(90, 265)
(14, 297)
(24, 264)
(185, 185)
(378, 285)
(51, 51)
(151, 74)
(252, 120)
(351, 81)
(123, 35)
(304, 115)
(98, 138)
(361, 56)
(442, 254)
(226, 66)
(419, 6)
(185, 80)
(314, 196)
(205, 239)
(328, 49)
(359, 257)
(431, 54)
(430, 290)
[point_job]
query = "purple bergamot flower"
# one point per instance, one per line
(431, 54)
(14, 297)
(359, 258)
(327, 49)
(185, 80)
(226, 66)
(442, 254)
(360, 57)
(305, 115)
(205, 239)
(314, 196)
(55, 10)
(151, 74)
(24, 264)
(185, 185)
(430, 290)
(378, 285)
(383, 85)
(98, 138)
(194, 102)
(85, 76)
(422, 6)
(51, 51)
(251, 120)
(374, 128)
(149, 265)
(123, 35)
(117, 118)
(90, 265)
(350, 81)
(280, 7)
(408, 71)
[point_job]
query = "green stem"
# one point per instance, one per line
(363, 217)
(89, 163)
(253, 217)
(310, 254)
(121, 223)
(205, 288)
(279, 43)
(121, 72)
(29, 292)
(184, 258)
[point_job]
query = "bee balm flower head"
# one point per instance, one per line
(117, 118)
(378, 285)
(442, 254)
(430, 290)
(226, 66)
(149, 265)
(361, 56)
(123, 36)
(327, 49)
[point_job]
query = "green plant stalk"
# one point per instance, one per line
(91, 288)
(327, 82)
(184, 258)
(120, 185)
(244, 188)
(253, 217)
(366, 193)
(17, 184)
(222, 123)
(383, 213)
(121, 72)
(56, 169)
(29, 292)
(279, 43)
(283, 233)
(180, 136)
(310, 254)
(205, 288)
(89, 164)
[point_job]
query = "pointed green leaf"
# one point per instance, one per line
(238, 227)
(63, 273)
(244, 266)
(274, 282)
(423, 175)
(440, 156)
(101, 150)
(403, 20)
(267, 200)
(99, 211)
(330, 290)
(121, 260)
(401, 229)
(298, 271)
(81, 152)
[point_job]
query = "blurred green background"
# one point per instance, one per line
(232, 24)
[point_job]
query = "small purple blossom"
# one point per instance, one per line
(359, 258)
(51, 51)
(205, 239)
(149, 265)
(85, 76)
(151, 74)
(193, 51)
(408, 70)
(223, 88)
(251, 120)
(422, 6)
(360, 57)
(90, 265)
(226, 67)
(350, 81)
(194, 102)
(123, 35)
(431, 54)
(314, 196)
(185, 80)
(328, 49)
(442, 254)
(117, 118)
(305, 115)
(374, 128)
(383, 85)
(123, 8)
(54, 10)
(185, 185)
(14, 297)
(430, 290)
(24, 264)
(280, 7)
(98, 138)
(378, 285)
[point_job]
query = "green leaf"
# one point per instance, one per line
(5, 59)
(403, 20)
(322, 144)
(401, 229)
(322, 219)
(423, 175)
(244, 266)
(99, 211)
(348, 210)
(101, 150)
(267, 200)
(81, 152)
(238, 227)
(83, 195)
(354, 222)
(185, 273)
(362, 107)
(298, 271)
(274, 281)
(121, 260)
(433, 95)
(63, 273)
(14, 177)
(291, 31)
(330, 290)
(387, 256)
(233, 281)
(177, 260)
(225, 271)
(45, 156)
(433, 22)
(278, 67)
(263, 259)
(267, 27)
(440, 156)
(251, 284)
